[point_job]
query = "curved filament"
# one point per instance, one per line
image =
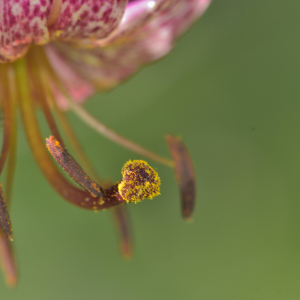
(42, 89)
(13, 135)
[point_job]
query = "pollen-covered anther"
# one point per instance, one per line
(139, 181)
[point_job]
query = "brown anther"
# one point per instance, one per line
(72, 168)
(185, 175)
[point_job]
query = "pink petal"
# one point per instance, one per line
(123, 54)
(78, 88)
(137, 14)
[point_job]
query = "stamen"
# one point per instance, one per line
(185, 175)
(72, 194)
(119, 213)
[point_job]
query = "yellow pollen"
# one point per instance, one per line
(58, 33)
(139, 181)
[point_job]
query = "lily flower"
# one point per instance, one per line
(54, 55)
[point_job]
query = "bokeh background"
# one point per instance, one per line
(231, 89)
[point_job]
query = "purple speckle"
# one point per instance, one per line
(36, 10)
(26, 7)
(95, 9)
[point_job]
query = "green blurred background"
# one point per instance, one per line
(230, 89)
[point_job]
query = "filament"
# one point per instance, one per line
(13, 135)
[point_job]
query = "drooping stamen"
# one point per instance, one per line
(72, 168)
(184, 174)
(98, 126)
(123, 226)
(119, 213)
(4, 217)
(61, 185)
(8, 263)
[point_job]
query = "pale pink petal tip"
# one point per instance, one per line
(146, 33)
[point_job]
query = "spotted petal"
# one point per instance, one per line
(22, 22)
(83, 20)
